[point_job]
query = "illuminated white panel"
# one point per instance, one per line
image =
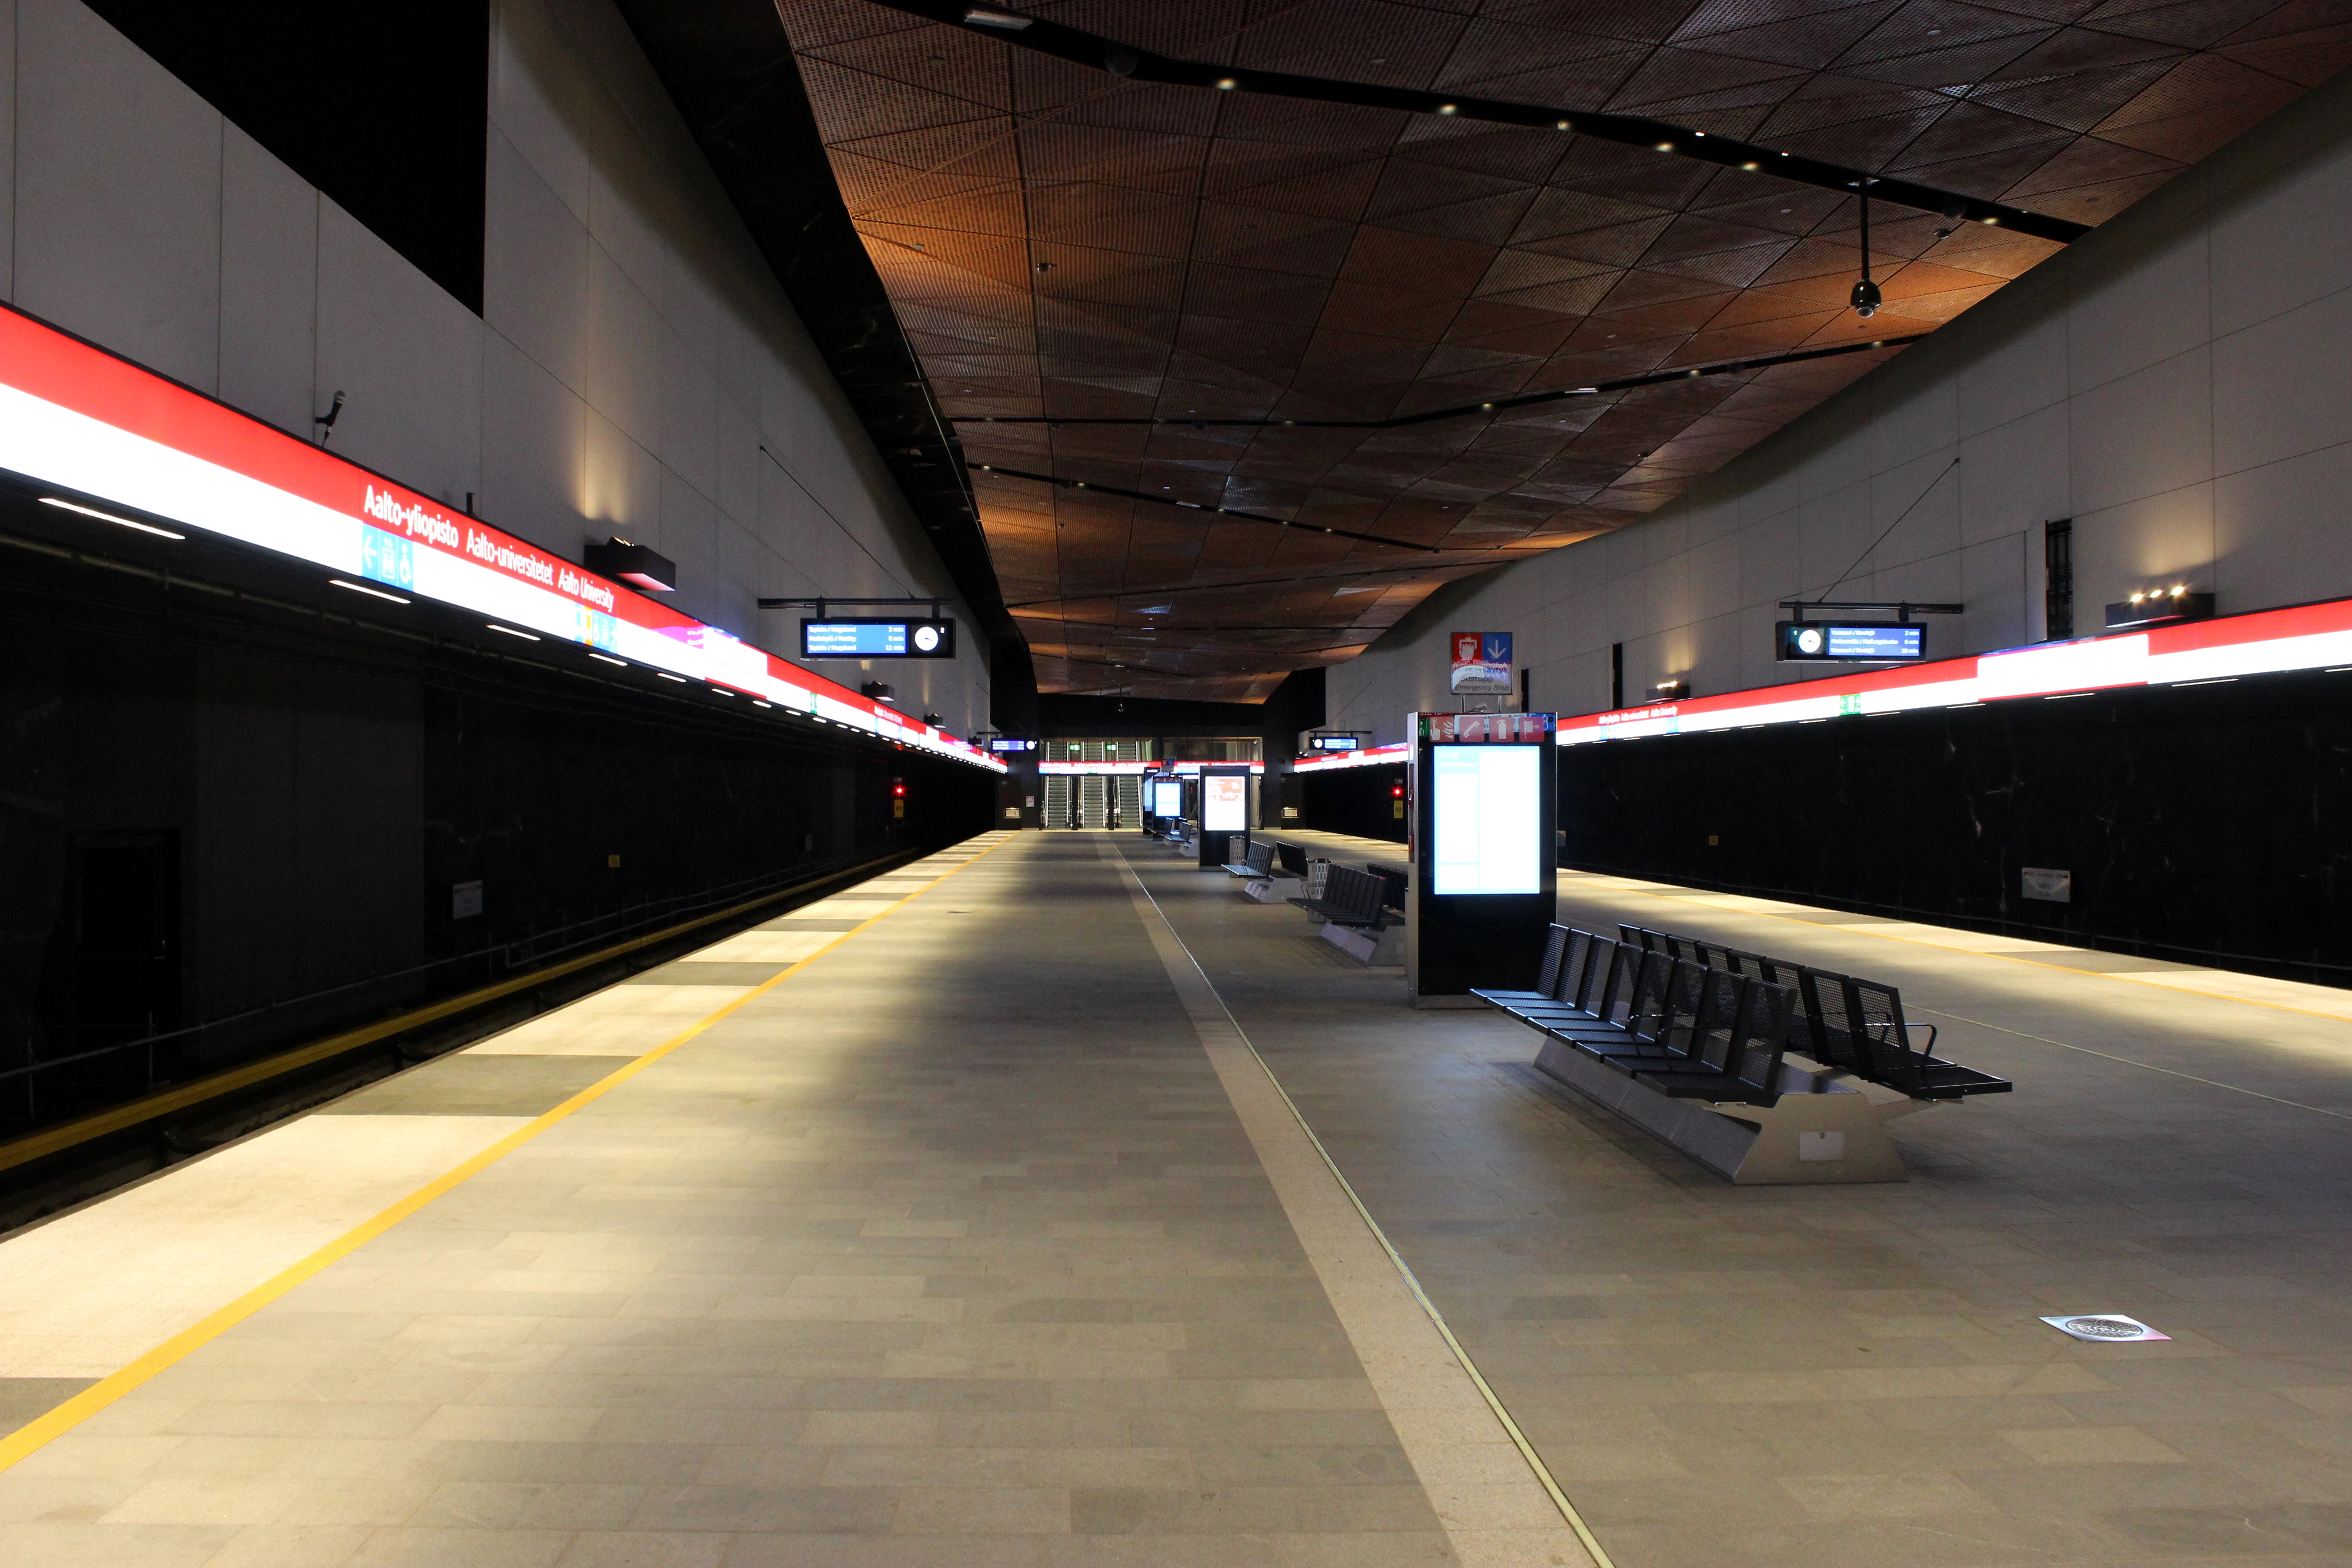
(1225, 803)
(1485, 819)
(2065, 666)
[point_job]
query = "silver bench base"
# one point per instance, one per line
(1373, 950)
(1825, 1128)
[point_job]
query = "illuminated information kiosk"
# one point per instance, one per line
(1483, 788)
(1225, 813)
(1163, 798)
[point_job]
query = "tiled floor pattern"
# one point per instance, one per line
(980, 1269)
(988, 1271)
(1494, 1506)
(1855, 1375)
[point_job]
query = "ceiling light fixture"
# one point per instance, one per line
(978, 16)
(608, 659)
(527, 637)
(110, 517)
(1865, 298)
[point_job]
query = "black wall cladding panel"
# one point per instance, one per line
(2202, 824)
(1358, 801)
(384, 108)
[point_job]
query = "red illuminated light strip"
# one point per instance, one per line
(2261, 642)
(78, 417)
(1362, 757)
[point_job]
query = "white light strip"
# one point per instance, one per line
(370, 593)
(110, 517)
(527, 637)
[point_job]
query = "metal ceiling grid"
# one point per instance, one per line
(1065, 244)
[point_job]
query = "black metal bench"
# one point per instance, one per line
(1257, 860)
(1350, 898)
(1289, 858)
(1615, 998)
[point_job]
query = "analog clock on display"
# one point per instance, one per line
(927, 638)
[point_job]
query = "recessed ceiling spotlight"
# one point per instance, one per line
(1228, 85)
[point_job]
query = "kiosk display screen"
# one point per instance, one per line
(1487, 819)
(1167, 797)
(1224, 803)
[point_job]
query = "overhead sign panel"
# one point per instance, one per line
(1481, 665)
(873, 636)
(1860, 642)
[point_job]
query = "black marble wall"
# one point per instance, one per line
(287, 801)
(2208, 823)
(1353, 800)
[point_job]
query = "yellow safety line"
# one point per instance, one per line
(1412, 1281)
(152, 1107)
(30, 1439)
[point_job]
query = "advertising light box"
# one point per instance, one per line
(865, 637)
(1167, 797)
(1224, 803)
(1487, 819)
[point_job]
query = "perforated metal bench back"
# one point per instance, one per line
(1764, 1033)
(1555, 953)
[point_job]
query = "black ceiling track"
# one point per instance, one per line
(729, 68)
(1430, 415)
(1098, 53)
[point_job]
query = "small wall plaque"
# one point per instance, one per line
(464, 900)
(2050, 887)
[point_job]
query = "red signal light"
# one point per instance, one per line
(1396, 792)
(899, 790)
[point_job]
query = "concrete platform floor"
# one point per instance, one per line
(965, 1218)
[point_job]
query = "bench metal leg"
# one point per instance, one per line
(1836, 1137)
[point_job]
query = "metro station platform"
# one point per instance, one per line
(981, 1214)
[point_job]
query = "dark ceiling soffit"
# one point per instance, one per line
(730, 68)
(1098, 53)
(1429, 416)
(1229, 513)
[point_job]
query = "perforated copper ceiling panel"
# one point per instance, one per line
(1062, 242)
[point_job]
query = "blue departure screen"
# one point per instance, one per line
(1869, 642)
(854, 639)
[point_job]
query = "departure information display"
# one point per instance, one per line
(1485, 819)
(1335, 742)
(870, 637)
(1167, 797)
(1868, 642)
